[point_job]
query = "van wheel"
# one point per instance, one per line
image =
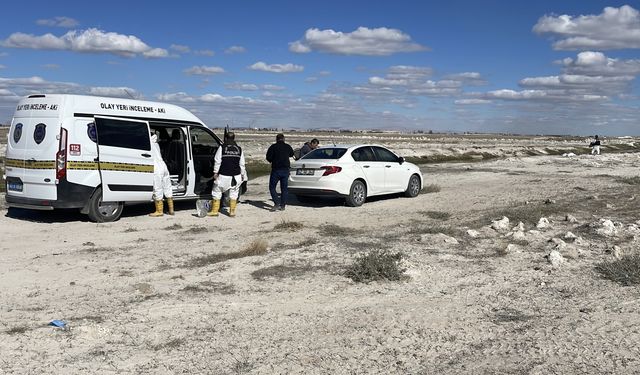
(357, 194)
(103, 212)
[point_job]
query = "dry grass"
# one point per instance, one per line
(290, 226)
(169, 345)
(283, 271)
(255, 248)
(375, 266)
(130, 230)
(437, 215)
(18, 330)
(175, 226)
(624, 271)
(635, 180)
(432, 188)
(196, 229)
(337, 231)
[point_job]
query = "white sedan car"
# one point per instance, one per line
(353, 172)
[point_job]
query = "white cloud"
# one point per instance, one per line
(117, 92)
(235, 49)
(273, 87)
(388, 82)
(241, 86)
(276, 68)
(472, 101)
(204, 52)
(363, 41)
(2, 66)
(596, 63)
(204, 70)
(88, 41)
(468, 78)
(614, 28)
(65, 22)
(180, 48)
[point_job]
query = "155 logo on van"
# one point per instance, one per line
(74, 149)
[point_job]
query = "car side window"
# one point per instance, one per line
(363, 154)
(385, 155)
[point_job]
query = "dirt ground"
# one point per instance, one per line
(158, 295)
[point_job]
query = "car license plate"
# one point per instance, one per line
(305, 172)
(14, 186)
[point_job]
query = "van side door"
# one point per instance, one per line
(124, 159)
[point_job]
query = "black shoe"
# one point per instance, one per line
(275, 208)
(281, 208)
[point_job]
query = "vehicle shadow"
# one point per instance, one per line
(258, 204)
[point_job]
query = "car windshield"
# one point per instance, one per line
(326, 153)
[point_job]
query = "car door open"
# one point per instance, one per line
(124, 159)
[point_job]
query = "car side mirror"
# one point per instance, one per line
(400, 160)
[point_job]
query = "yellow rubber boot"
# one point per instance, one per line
(159, 208)
(232, 207)
(170, 206)
(215, 207)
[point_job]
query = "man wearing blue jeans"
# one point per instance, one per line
(278, 155)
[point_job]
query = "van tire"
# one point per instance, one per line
(101, 213)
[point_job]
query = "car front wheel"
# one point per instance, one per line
(103, 212)
(413, 188)
(357, 194)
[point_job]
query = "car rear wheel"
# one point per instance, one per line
(103, 212)
(357, 194)
(413, 188)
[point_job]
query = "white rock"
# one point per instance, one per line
(512, 248)
(607, 228)
(501, 225)
(519, 227)
(568, 154)
(571, 219)
(534, 232)
(543, 223)
(617, 252)
(557, 241)
(570, 237)
(519, 236)
(473, 233)
(555, 258)
(438, 238)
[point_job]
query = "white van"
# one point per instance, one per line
(94, 153)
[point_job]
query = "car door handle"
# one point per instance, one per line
(146, 155)
(365, 166)
(388, 166)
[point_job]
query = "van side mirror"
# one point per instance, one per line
(400, 160)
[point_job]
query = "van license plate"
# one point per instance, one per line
(305, 172)
(14, 186)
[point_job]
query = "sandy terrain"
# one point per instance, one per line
(149, 295)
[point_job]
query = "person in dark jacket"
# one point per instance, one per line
(309, 146)
(278, 155)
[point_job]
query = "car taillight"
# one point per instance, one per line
(61, 155)
(330, 169)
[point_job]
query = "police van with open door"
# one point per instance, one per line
(94, 153)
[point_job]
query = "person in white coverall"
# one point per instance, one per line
(161, 180)
(228, 174)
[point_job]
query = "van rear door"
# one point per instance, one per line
(124, 159)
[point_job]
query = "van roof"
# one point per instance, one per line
(73, 105)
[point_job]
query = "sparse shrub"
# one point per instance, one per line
(257, 247)
(438, 215)
(281, 271)
(175, 226)
(376, 265)
(197, 229)
(17, 330)
(635, 180)
(337, 230)
(625, 271)
(432, 188)
(130, 230)
(290, 226)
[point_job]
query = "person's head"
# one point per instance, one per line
(280, 137)
(230, 138)
(314, 143)
(596, 136)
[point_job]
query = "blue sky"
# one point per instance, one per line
(543, 67)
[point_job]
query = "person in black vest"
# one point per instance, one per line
(278, 155)
(228, 172)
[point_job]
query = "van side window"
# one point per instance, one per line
(121, 133)
(202, 142)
